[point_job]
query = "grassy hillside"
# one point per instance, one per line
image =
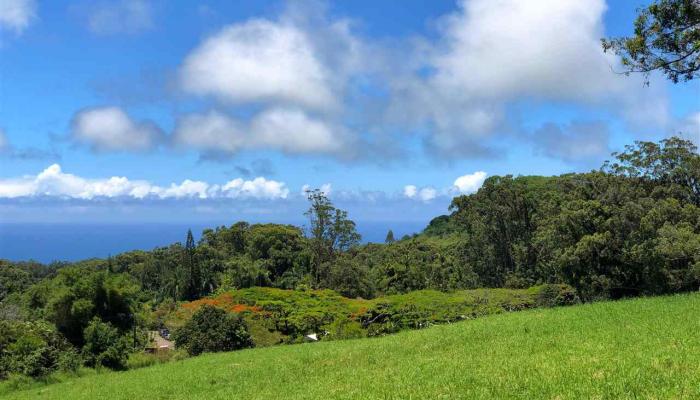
(643, 348)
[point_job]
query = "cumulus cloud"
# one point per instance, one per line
(258, 61)
(292, 131)
(212, 131)
(17, 15)
(289, 130)
(53, 182)
(465, 184)
(424, 194)
(410, 191)
(257, 188)
(492, 53)
(574, 142)
(111, 129)
(301, 59)
(470, 183)
(125, 16)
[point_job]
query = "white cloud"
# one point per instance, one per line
(289, 130)
(17, 15)
(470, 183)
(111, 129)
(292, 131)
(259, 60)
(302, 58)
(125, 16)
(424, 194)
(54, 182)
(259, 187)
(427, 194)
(410, 191)
(465, 184)
(491, 53)
(507, 48)
(212, 131)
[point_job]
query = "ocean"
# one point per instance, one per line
(72, 242)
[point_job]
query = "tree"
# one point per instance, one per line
(666, 38)
(673, 162)
(389, 237)
(77, 294)
(330, 231)
(33, 348)
(212, 329)
(104, 346)
(194, 284)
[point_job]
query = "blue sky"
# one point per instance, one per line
(118, 111)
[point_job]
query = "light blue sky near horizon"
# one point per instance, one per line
(59, 65)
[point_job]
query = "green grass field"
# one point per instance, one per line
(634, 349)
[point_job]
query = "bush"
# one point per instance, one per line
(343, 328)
(34, 349)
(552, 295)
(212, 329)
(104, 346)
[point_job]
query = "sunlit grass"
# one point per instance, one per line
(635, 349)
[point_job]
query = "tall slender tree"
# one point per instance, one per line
(389, 237)
(194, 280)
(330, 231)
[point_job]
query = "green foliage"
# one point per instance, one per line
(440, 226)
(276, 315)
(104, 346)
(348, 277)
(330, 231)
(77, 294)
(389, 237)
(13, 279)
(608, 234)
(34, 349)
(212, 329)
(666, 38)
(552, 295)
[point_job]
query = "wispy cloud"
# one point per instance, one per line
(121, 16)
(17, 15)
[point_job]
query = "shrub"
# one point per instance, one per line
(212, 329)
(343, 328)
(34, 349)
(104, 346)
(552, 295)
